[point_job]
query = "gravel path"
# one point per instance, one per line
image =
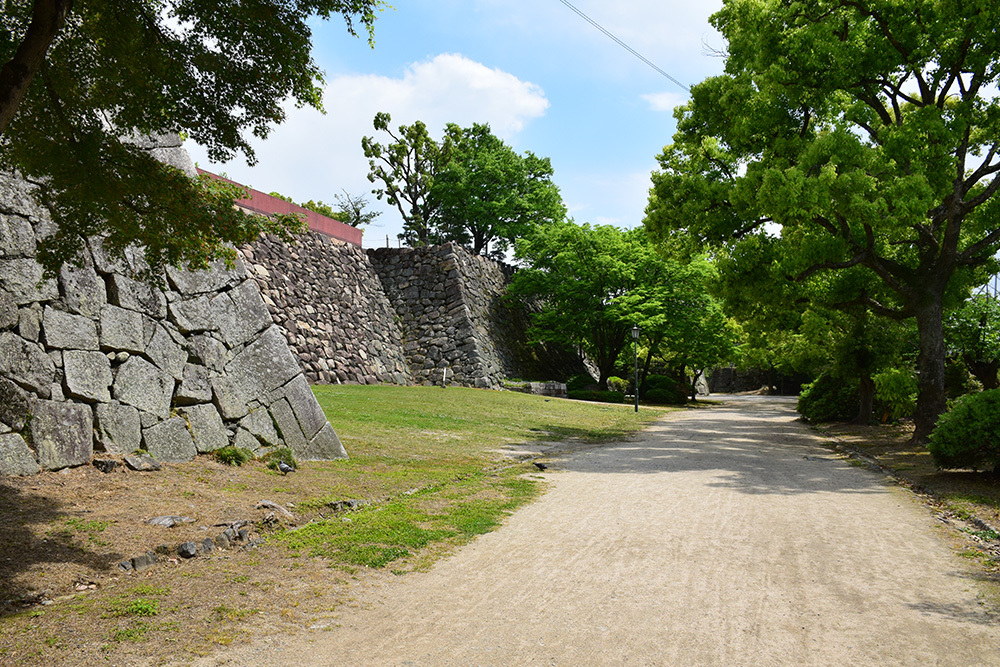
(719, 537)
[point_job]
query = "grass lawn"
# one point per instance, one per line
(426, 459)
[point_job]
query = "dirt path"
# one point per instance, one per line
(720, 537)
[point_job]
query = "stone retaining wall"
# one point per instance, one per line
(95, 360)
(329, 302)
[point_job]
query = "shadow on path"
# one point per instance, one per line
(753, 445)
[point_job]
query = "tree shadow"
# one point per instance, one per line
(753, 446)
(32, 534)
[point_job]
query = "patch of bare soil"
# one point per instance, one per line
(64, 600)
(964, 499)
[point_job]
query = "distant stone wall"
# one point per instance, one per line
(329, 302)
(95, 360)
(452, 315)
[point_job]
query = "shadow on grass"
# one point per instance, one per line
(22, 548)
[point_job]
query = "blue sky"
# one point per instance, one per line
(544, 79)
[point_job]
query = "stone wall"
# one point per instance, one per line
(95, 360)
(452, 315)
(329, 302)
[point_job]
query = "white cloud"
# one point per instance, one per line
(315, 156)
(664, 101)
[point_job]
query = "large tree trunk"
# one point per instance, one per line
(47, 18)
(931, 398)
(867, 403)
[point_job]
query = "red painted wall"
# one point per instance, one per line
(260, 202)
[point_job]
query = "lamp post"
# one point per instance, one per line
(635, 341)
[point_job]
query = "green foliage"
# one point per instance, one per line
(828, 398)
(618, 384)
(490, 194)
(352, 210)
(113, 73)
(897, 389)
(665, 396)
(837, 131)
(969, 435)
(592, 284)
(403, 171)
(471, 187)
(972, 333)
(597, 395)
(233, 456)
(580, 382)
(280, 454)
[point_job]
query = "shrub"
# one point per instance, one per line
(969, 435)
(580, 382)
(233, 456)
(280, 454)
(896, 389)
(829, 398)
(601, 396)
(617, 384)
(666, 396)
(660, 382)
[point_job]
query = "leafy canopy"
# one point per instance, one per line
(81, 83)
(866, 134)
(470, 187)
(592, 284)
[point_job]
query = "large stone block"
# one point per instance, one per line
(15, 193)
(87, 375)
(122, 330)
(102, 260)
(15, 405)
(137, 296)
(288, 426)
(169, 441)
(305, 406)
(241, 313)
(207, 429)
(62, 433)
(8, 312)
(193, 315)
(118, 428)
(195, 386)
(165, 353)
(83, 290)
(26, 364)
(216, 278)
(17, 239)
(16, 458)
(227, 398)
(22, 279)
(141, 384)
(209, 352)
(260, 425)
(262, 366)
(66, 331)
(324, 446)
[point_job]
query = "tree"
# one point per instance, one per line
(867, 133)
(680, 320)
(404, 171)
(470, 188)
(352, 210)
(81, 85)
(811, 326)
(488, 193)
(592, 284)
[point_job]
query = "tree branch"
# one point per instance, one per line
(47, 18)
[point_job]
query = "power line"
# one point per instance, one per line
(623, 44)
